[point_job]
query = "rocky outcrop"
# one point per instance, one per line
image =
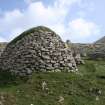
(38, 49)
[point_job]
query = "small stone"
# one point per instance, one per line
(57, 70)
(61, 99)
(97, 98)
(1, 103)
(99, 92)
(44, 85)
(29, 71)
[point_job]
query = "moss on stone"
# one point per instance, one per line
(37, 29)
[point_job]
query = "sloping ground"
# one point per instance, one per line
(84, 88)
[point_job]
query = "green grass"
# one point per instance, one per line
(76, 88)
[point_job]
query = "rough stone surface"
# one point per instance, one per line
(76, 53)
(38, 49)
(2, 46)
(78, 59)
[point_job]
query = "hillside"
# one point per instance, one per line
(83, 49)
(87, 87)
(99, 49)
(94, 50)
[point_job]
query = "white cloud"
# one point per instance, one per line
(54, 16)
(15, 32)
(2, 39)
(82, 29)
(35, 14)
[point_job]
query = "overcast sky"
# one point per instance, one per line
(77, 20)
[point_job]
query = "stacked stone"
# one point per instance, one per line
(78, 59)
(39, 49)
(76, 53)
(2, 46)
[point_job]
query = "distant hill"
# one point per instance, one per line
(99, 49)
(102, 40)
(94, 50)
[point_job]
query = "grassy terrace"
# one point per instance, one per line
(76, 89)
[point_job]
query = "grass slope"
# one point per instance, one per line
(77, 89)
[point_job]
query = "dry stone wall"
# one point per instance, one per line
(76, 53)
(38, 49)
(2, 46)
